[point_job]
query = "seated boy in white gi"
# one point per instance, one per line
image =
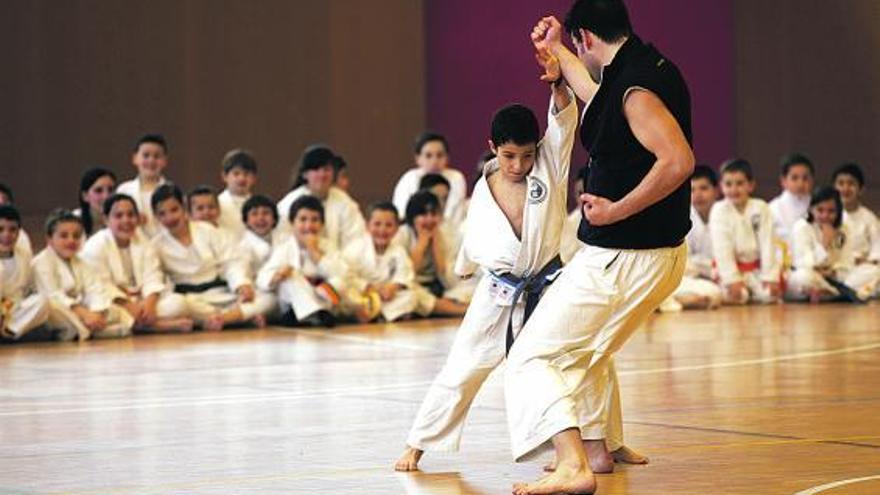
(240, 176)
(260, 216)
(741, 229)
(796, 178)
(22, 310)
(82, 306)
(7, 199)
(861, 222)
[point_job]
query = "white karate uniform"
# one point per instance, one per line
(297, 292)
(208, 258)
(408, 184)
(71, 283)
(230, 213)
(741, 240)
(142, 198)
(343, 221)
(699, 278)
(453, 286)
(23, 309)
(391, 267)
(24, 242)
(490, 243)
(570, 244)
(786, 209)
(810, 256)
(256, 251)
(864, 234)
(132, 273)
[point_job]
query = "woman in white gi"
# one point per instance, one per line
(96, 185)
(21, 309)
(203, 267)
(823, 259)
(82, 305)
(130, 266)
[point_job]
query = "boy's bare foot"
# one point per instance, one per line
(626, 455)
(259, 321)
(213, 323)
(409, 461)
(571, 479)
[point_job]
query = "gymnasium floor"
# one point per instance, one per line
(769, 400)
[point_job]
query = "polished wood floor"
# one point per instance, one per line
(742, 400)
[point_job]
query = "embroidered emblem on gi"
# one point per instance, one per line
(756, 222)
(537, 191)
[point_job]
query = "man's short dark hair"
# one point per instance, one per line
(164, 193)
(427, 137)
(515, 124)
(7, 191)
(154, 139)
(8, 212)
(703, 171)
(851, 169)
(259, 201)
(306, 202)
(607, 19)
(738, 165)
(792, 159)
(386, 206)
(430, 180)
(239, 158)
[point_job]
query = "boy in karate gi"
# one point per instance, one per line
(21, 309)
(240, 176)
(796, 179)
(150, 158)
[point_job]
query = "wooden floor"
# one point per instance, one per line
(742, 400)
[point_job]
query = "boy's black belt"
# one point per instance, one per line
(532, 287)
(198, 288)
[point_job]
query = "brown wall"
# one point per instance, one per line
(807, 78)
(82, 79)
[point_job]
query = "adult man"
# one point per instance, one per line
(636, 207)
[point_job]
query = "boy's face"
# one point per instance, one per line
(849, 189)
(4, 200)
(123, 220)
(442, 193)
(171, 214)
(204, 207)
(432, 158)
(798, 180)
(8, 236)
(382, 227)
(306, 223)
(240, 181)
(260, 220)
(66, 239)
(343, 181)
(320, 179)
(515, 161)
(150, 159)
(703, 194)
(99, 192)
(737, 187)
(824, 212)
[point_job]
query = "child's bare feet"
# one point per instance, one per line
(626, 455)
(259, 321)
(213, 323)
(409, 461)
(571, 479)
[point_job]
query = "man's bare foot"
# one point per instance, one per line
(571, 479)
(409, 461)
(626, 455)
(598, 456)
(600, 464)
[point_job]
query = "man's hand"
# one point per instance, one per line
(547, 34)
(550, 64)
(598, 210)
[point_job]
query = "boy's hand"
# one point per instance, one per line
(245, 293)
(547, 34)
(735, 290)
(388, 291)
(550, 64)
(149, 314)
(774, 288)
(281, 275)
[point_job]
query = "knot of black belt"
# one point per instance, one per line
(531, 287)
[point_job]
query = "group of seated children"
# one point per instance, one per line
(805, 245)
(143, 256)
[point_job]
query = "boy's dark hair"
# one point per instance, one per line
(154, 139)
(116, 198)
(314, 157)
(259, 201)
(427, 137)
(7, 191)
(239, 158)
(202, 190)
(792, 159)
(421, 203)
(703, 171)
(607, 19)
(306, 203)
(88, 180)
(514, 124)
(822, 194)
(8, 212)
(59, 216)
(383, 206)
(430, 180)
(164, 193)
(339, 163)
(485, 158)
(738, 165)
(851, 169)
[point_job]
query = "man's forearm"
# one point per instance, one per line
(664, 177)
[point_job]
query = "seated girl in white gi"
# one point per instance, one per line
(741, 230)
(204, 267)
(96, 185)
(82, 306)
(343, 221)
(423, 236)
(22, 310)
(306, 271)
(382, 269)
(130, 267)
(824, 267)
